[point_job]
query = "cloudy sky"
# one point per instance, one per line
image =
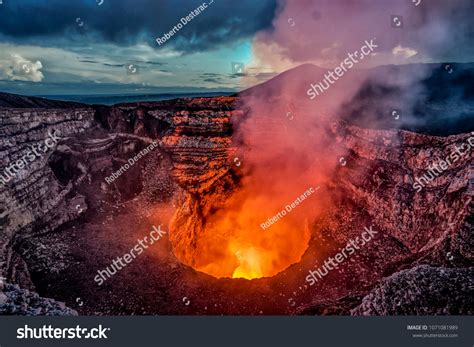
(88, 46)
(61, 47)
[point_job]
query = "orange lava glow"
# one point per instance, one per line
(234, 244)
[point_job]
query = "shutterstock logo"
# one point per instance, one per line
(331, 77)
(48, 332)
(333, 262)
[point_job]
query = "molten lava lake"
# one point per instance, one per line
(245, 240)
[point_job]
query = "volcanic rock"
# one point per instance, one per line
(423, 290)
(22, 302)
(61, 222)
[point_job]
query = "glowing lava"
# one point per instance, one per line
(234, 245)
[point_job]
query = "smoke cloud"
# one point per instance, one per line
(322, 32)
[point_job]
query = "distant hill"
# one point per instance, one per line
(17, 101)
(441, 103)
(436, 99)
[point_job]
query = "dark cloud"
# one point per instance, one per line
(125, 22)
(155, 63)
(211, 77)
(113, 65)
(213, 80)
(210, 74)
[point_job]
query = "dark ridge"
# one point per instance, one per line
(8, 100)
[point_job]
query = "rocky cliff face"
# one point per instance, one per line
(390, 162)
(61, 202)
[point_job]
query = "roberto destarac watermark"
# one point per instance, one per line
(288, 208)
(333, 262)
(184, 20)
(120, 262)
(130, 163)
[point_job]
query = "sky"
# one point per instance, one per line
(60, 47)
